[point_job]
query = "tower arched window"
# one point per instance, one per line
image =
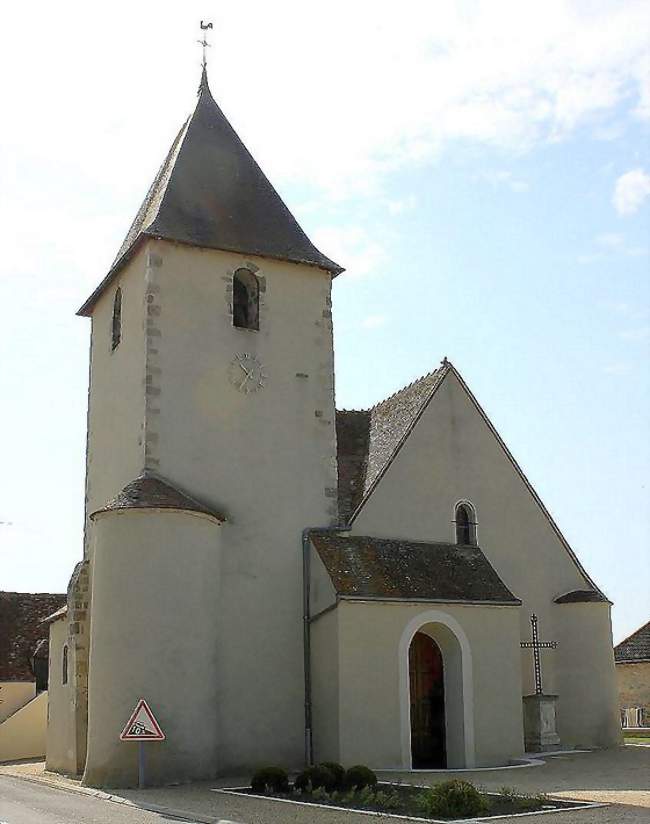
(64, 665)
(465, 521)
(116, 327)
(245, 300)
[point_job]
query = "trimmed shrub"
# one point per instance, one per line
(270, 779)
(359, 776)
(454, 798)
(337, 771)
(314, 778)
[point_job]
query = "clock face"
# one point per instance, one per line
(247, 373)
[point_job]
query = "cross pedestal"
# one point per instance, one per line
(540, 723)
(539, 710)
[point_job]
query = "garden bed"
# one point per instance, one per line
(405, 801)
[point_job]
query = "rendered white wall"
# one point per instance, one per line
(154, 627)
(23, 734)
(14, 695)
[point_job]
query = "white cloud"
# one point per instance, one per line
(618, 369)
(611, 244)
(585, 260)
(397, 207)
(416, 79)
(502, 177)
(374, 321)
(630, 191)
(640, 334)
(351, 247)
(610, 240)
(642, 110)
(633, 311)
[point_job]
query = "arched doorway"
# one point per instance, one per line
(427, 696)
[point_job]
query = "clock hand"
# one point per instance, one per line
(248, 374)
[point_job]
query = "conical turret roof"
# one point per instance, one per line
(210, 192)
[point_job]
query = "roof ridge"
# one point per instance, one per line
(12, 592)
(437, 372)
(632, 634)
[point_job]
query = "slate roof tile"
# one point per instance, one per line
(369, 439)
(581, 596)
(153, 492)
(367, 567)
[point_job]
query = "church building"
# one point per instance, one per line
(281, 581)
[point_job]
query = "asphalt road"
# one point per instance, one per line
(23, 802)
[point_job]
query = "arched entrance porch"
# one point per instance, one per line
(435, 651)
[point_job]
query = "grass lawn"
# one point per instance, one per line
(637, 739)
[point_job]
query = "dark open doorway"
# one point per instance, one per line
(426, 679)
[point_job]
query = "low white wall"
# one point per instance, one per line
(23, 735)
(14, 695)
(61, 752)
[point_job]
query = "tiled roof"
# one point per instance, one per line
(369, 439)
(21, 630)
(211, 193)
(365, 567)
(634, 648)
(60, 613)
(352, 436)
(581, 596)
(152, 492)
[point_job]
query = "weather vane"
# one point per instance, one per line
(204, 41)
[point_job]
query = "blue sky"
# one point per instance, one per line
(480, 169)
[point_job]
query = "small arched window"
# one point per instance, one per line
(64, 665)
(465, 522)
(116, 327)
(245, 300)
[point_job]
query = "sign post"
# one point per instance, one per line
(141, 727)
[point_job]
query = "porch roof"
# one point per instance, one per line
(390, 568)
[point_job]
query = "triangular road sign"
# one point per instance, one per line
(142, 725)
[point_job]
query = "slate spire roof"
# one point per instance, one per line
(210, 192)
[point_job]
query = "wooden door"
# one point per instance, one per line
(427, 703)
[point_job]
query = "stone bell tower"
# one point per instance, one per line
(211, 446)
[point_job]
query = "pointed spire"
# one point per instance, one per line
(204, 86)
(211, 193)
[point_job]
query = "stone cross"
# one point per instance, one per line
(536, 645)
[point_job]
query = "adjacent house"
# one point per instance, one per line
(632, 657)
(24, 643)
